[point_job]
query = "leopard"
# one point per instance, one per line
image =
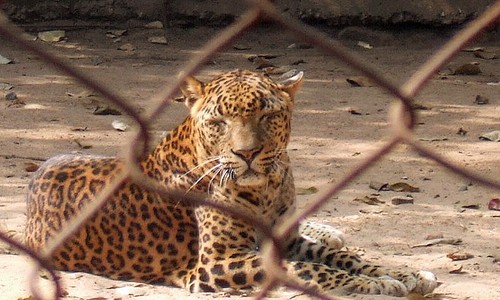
(231, 148)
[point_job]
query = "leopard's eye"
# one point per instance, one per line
(269, 116)
(216, 123)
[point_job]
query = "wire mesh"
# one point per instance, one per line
(401, 118)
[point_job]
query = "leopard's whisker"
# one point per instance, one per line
(207, 161)
(231, 175)
(223, 177)
(203, 176)
(216, 173)
(228, 176)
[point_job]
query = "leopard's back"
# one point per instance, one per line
(135, 236)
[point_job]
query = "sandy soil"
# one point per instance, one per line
(54, 115)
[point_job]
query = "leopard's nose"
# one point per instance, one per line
(248, 155)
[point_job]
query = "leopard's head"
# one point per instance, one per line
(242, 123)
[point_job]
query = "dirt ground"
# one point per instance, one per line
(335, 127)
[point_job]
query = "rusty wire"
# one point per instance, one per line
(401, 117)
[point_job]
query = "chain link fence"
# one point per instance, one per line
(401, 118)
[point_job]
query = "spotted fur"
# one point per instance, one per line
(232, 148)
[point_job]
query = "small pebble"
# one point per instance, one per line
(127, 47)
(11, 96)
(401, 200)
(157, 40)
(468, 69)
(52, 35)
(154, 25)
(481, 100)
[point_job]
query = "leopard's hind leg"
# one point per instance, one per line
(322, 234)
(345, 266)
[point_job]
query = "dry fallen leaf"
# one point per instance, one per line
(471, 206)
(370, 200)
(81, 145)
(307, 191)
(493, 136)
(496, 260)
(481, 100)
(420, 106)
(266, 56)
(360, 81)
(82, 94)
(457, 270)
(30, 167)
(127, 47)
(154, 25)
(298, 62)
(6, 86)
(104, 111)
(494, 204)
(158, 40)
(52, 35)
(261, 63)
(4, 60)
(473, 49)
(403, 187)
(241, 47)
(459, 256)
(80, 128)
(447, 241)
(371, 211)
(16, 103)
(485, 55)
(461, 131)
(434, 139)
(353, 111)
(468, 69)
(119, 125)
(379, 186)
(434, 236)
(276, 70)
(364, 45)
(117, 32)
(300, 46)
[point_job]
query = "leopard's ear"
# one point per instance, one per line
(192, 90)
(292, 85)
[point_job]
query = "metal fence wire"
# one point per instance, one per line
(401, 118)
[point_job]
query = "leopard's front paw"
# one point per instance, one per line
(420, 282)
(384, 285)
(426, 282)
(392, 287)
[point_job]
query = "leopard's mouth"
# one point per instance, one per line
(250, 177)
